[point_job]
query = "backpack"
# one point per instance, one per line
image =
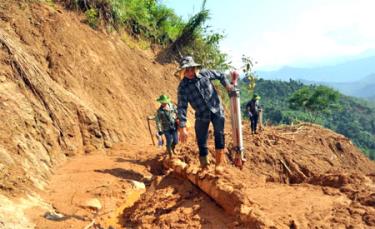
(167, 118)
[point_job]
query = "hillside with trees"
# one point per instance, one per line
(352, 117)
(154, 25)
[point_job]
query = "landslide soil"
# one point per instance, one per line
(66, 89)
(294, 176)
(300, 176)
(74, 102)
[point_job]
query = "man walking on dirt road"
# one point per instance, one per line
(166, 122)
(253, 108)
(197, 89)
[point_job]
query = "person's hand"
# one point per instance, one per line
(234, 74)
(229, 87)
(183, 134)
(177, 122)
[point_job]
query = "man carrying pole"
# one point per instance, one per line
(197, 90)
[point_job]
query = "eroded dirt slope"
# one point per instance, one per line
(300, 176)
(67, 89)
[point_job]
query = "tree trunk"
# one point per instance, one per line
(224, 194)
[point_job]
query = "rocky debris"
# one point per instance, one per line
(285, 185)
(93, 204)
(52, 215)
(13, 211)
(138, 185)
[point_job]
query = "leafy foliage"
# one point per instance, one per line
(142, 18)
(248, 67)
(190, 31)
(210, 57)
(352, 117)
(153, 21)
(314, 100)
(197, 41)
(92, 17)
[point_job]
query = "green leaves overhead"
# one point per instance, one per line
(142, 18)
(92, 17)
(154, 22)
(247, 69)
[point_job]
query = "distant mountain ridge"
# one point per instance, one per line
(364, 88)
(350, 71)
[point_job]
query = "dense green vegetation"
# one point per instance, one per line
(354, 118)
(157, 24)
(315, 101)
(145, 18)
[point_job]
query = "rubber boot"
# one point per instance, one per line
(204, 162)
(238, 161)
(220, 161)
(173, 149)
(170, 153)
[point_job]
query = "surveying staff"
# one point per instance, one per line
(197, 90)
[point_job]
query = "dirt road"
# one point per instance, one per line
(282, 196)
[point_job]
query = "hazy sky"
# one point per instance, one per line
(289, 32)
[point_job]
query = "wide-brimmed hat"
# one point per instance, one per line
(256, 97)
(163, 99)
(187, 62)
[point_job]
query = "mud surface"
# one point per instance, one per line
(75, 149)
(66, 89)
(293, 178)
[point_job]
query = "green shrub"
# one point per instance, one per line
(142, 18)
(92, 17)
(152, 21)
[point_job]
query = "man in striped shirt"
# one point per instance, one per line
(197, 90)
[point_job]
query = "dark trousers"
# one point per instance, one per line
(172, 139)
(201, 133)
(254, 122)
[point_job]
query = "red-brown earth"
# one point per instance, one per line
(74, 103)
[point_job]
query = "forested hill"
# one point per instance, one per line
(352, 117)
